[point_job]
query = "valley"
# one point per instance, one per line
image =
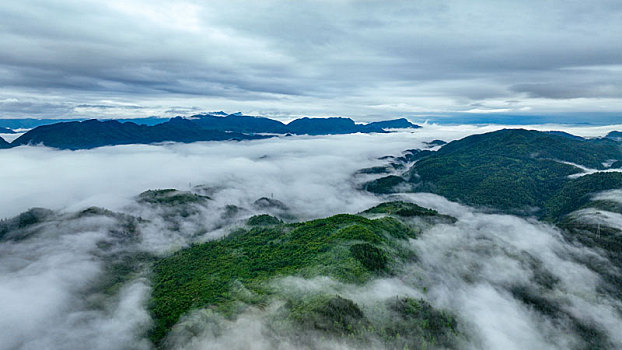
(301, 263)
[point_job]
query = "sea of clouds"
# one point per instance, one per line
(476, 268)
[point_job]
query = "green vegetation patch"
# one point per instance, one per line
(418, 320)
(510, 170)
(498, 181)
(607, 205)
(24, 221)
(375, 170)
(530, 144)
(401, 209)
(358, 232)
(332, 314)
(263, 220)
(385, 184)
(202, 275)
(397, 323)
(370, 256)
(170, 197)
(577, 193)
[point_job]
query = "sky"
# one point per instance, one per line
(368, 60)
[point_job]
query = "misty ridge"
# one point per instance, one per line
(216, 126)
(353, 241)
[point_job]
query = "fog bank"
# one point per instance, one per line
(512, 283)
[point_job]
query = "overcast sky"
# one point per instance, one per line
(364, 59)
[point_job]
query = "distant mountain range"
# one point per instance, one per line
(201, 127)
(30, 123)
(94, 133)
(303, 126)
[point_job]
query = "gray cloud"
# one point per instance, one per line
(310, 57)
(563, 90)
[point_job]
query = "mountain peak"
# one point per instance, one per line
(400, 123)
(4, 144)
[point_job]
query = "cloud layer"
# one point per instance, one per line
(485, 268)
(371, 58)
(310, 173)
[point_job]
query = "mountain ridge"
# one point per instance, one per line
(511, 170)
(400, 123)
(201, 127)
(93, 133)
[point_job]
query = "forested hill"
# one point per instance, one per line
(531, 144)
(514, 170)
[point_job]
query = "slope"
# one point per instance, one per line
(238, 269)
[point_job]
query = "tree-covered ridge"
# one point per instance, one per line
(578, 192)
(385, 184)
(531, 144)
(494, 181)
(170, 197)
(263, 220)
(348, 248)
(243, 270)
(514, 169)
(401, 208)
(510, 170)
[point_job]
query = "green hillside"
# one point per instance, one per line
(349, 248)
(512, 170)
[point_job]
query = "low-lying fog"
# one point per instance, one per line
(311, 173)
(478, 268)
